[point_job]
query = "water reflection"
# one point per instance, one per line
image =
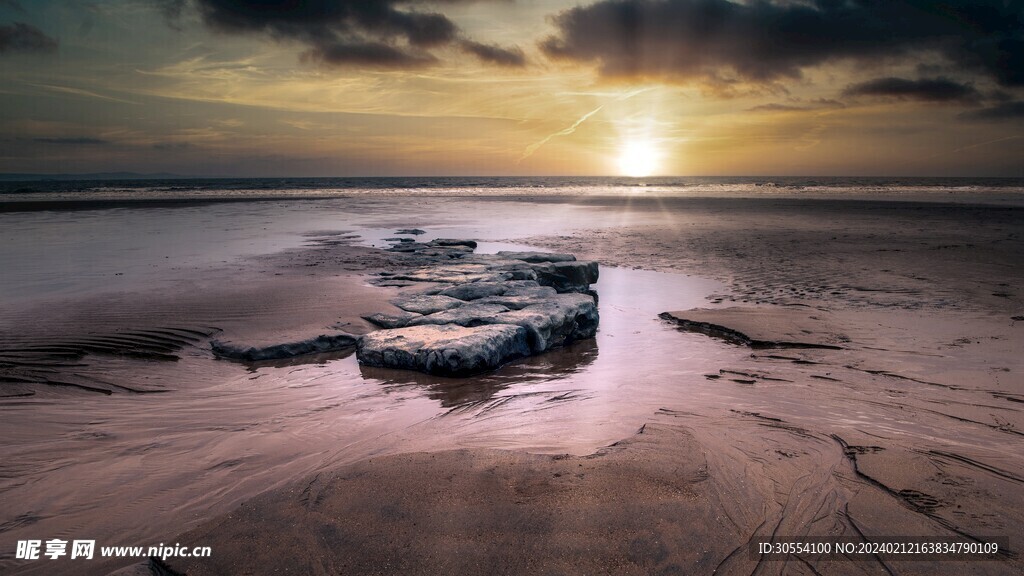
(459, 392)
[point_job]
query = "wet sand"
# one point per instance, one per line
(910, 428)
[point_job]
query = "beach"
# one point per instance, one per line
(769, 365)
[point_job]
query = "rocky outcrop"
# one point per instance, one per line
(447, 350)
(322, 343)
(470, 314)
(475, 290)
(546, 297)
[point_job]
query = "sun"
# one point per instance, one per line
(638, 158)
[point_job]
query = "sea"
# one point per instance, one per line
(975, 189)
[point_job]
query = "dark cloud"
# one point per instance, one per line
(73, 141)
(326, 20)
(21, 37)
(495, 54)
(172, 10)
(374, 33)
(1005, 111)
(768, 40)
(926, 89)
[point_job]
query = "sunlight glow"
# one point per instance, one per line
(638, 158)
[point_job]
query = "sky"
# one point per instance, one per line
(278, 88)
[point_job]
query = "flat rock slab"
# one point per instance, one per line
(322, 343)
(557, 321)
(552, 321)
(469, 315)
(529, 290)
(427, 304)
(398, 319)
(761, 327)
(447, 349)
(475, 290)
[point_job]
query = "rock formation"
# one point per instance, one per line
(478, 311)
(471, 312)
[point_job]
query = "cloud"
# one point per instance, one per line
(172, 145)
(172, 11)
(75, 141)
(563, 132)
(770, 40)
(926, 89)
(364, 33)
(21, 37)
(817, 104)
(1006, 111)
(495, 54)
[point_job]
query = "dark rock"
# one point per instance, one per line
(398, 240)
(510, 302)
(453, 242)
(446, 350)
(530, 289)
(567, 276)
(398, 319)
(322, 343)
(413, 231)
(407, 247)
(475, 290)
(513, 269)
(424, 304)
(537, 257)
